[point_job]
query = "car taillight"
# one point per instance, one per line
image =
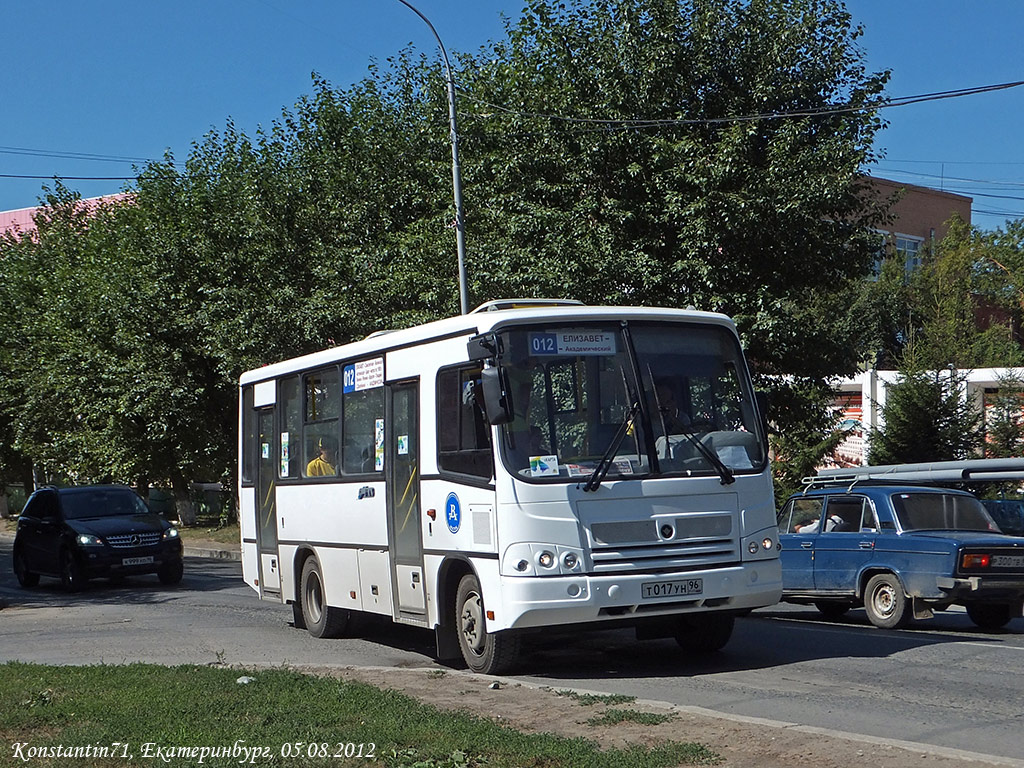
(976, 561)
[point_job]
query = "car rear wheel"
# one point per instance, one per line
(487, 653)
(989, 615)
(705, 633)
(321, 619)
(72, 577)
(885, 601)
(26, 578)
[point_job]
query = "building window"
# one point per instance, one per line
(910, 248)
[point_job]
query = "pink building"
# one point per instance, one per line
(21, 220)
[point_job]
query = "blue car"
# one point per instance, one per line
(901, 551)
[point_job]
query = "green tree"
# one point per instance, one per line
(926, 417)
(1004, 428)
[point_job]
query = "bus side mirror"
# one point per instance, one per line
(497, 400)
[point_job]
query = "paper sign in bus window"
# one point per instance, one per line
(544, 466)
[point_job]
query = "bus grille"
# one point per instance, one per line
(696, 541)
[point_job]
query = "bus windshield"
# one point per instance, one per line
(676, 396)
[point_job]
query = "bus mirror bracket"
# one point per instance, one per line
(485, 346)
(497, 401)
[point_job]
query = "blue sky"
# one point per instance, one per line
(123, 79)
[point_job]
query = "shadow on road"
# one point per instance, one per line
(134, 590)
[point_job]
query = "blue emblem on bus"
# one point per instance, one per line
(452, 513)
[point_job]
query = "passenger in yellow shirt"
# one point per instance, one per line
(322, 465)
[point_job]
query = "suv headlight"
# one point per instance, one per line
(88, 540)
(171, 533)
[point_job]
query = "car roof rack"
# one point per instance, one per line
(938, 472)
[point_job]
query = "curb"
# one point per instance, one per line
(212, 554)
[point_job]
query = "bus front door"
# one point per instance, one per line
(266, 507)
(401, 464)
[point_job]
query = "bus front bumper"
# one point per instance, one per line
(535, 602)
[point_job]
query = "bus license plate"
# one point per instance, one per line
(137, 560)
(655, 589)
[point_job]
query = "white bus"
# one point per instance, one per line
(528, 465)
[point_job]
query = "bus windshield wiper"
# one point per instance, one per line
(712, 458)
(594, 482)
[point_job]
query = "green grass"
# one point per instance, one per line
(590, 699)
(616, 716)
(196, 707)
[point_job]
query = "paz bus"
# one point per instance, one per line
(529, 465)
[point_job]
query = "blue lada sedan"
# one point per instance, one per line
(902, 551)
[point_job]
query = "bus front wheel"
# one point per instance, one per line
(705, 632)
(321, 619)
(488, 653)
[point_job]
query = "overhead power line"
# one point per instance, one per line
(899, 101)
(60, 177)
(66, 155)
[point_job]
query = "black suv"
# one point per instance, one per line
(98, 530)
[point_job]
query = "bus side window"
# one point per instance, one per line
(320, 423)
(463, 434)
(362, 411)
(290, 429)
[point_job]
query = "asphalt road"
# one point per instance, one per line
(943, 683)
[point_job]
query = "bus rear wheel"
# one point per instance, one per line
(321, 619)
(487, 653)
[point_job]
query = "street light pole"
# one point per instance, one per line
(460, 229)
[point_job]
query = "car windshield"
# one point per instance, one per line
(681, 403)
(941, 512)
(101, 502)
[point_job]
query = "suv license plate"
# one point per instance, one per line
(137, 560)
(655, 589)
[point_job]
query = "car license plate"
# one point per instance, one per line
(1008, 561)
(655, 589)
(137, 560)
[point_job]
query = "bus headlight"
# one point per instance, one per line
(542, 559)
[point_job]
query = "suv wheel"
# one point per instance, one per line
(26, 578)
(171, 573)
(72, 577)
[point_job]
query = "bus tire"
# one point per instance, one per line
(321, 619)
(705, 632)
(487, 653)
